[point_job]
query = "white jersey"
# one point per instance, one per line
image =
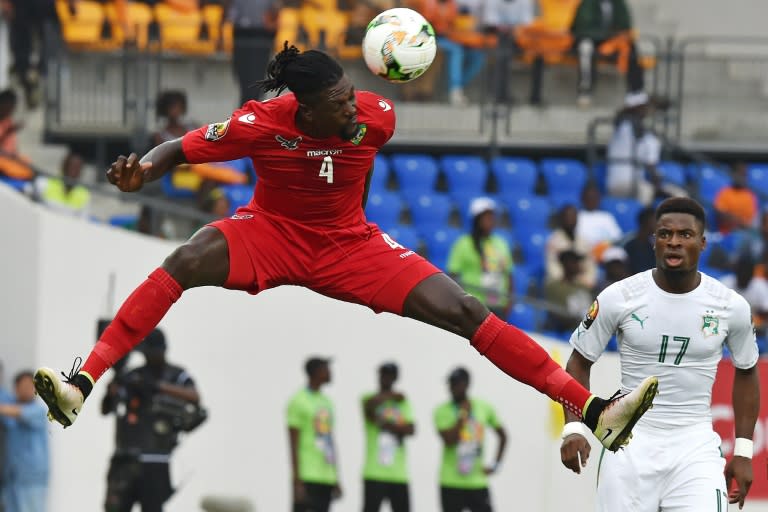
(678, 337)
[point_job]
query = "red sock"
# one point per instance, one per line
(139, 314)
(517, 355)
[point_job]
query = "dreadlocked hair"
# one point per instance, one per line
(301, 72)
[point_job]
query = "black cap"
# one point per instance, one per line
(314, 363)
(389, 368)
(458, 374)
(155, 340)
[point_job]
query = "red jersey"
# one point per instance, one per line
(319, 182)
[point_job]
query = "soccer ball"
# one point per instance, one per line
(399, 45)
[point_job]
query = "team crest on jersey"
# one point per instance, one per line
(361, 130)
(711, 325)
(290, 145)
(591, 314)
(216, 131)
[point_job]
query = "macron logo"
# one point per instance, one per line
(386, 107)
(247, 118)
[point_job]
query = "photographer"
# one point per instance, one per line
(153, 403)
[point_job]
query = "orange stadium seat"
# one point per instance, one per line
(130, 22)
(84, 28)
(288, 23)
(324, 27)
(180, 30)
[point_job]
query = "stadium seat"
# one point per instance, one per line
(237, 195)
(404, 235)
(325, 25)
(84, 28)
(439, 243)
(564, 198)
(625, 211)
(465, 174)
(523, 280)
(414, 172)
(181, 183)
(383, 208)
(124, 221)
(524, 316)
(529, 212)
(19, 185)
(514, 175)
(757, 178)
(380, 176)
(288, 27)
(599, 173)
(532, 242)
(181, 30)
(429, 210)
(563, 174)
(672, 172)
(711, 180)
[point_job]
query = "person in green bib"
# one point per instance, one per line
(388, 421)
(462, 423)
(481, 261)
(313, 453)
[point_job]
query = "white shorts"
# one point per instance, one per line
(667, 470)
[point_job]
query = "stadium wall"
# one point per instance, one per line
(246, 354)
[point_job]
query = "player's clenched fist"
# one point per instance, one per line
(127, 173)
(574, 452)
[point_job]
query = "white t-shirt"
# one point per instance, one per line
(627, 158)
(677, 337)
(597, 226)
(756, 291)
(507, 13)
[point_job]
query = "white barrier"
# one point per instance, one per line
(246, 354)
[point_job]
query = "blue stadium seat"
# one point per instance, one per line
(523, 279)
(465, 174)
(564, 198)
(414, 172)
(672, 172)
(758, 178)
(439, 243)
(429, 210)
(524, 316)
(711, 180)
(237, 195)
(13, 183)
(563, 174)
(243, 166)
(625, 211)
(529, 211)
(532, 242)
(380, 175)
(383, 208)
(404, 235)
(599, 173)
(123, 221)
(514, 175)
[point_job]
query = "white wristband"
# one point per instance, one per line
(743, 447)
(575, 427)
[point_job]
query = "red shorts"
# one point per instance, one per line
(361, 264)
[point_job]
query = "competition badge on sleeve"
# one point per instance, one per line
(591, 314)
(216, 131)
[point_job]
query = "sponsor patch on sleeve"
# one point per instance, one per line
(591, 314)
(216, 131)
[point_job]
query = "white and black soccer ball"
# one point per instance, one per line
(399, 45)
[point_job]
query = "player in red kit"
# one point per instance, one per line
(313, 150)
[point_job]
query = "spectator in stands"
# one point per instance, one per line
(736, 205)
(361, 12)
(634, 152)
(26, 471)
(594, 225)
(171, 109)
(255, 26)
(567, 294)
(614, 266)
(481, 261)
(564, 237)
(215, 202)
(313, 452)
(753, 288)
(603, 28)
(501, 17)
(461, 423)
(640, 247)
(12, 163)
(66, 194)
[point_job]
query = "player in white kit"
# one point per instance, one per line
(672, 322)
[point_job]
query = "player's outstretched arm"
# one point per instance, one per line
(130, 173)
(575, 449)
(746, 407)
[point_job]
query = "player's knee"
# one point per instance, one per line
(467, 313)
(183, 265)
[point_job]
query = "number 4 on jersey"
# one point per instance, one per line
(326, 170)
